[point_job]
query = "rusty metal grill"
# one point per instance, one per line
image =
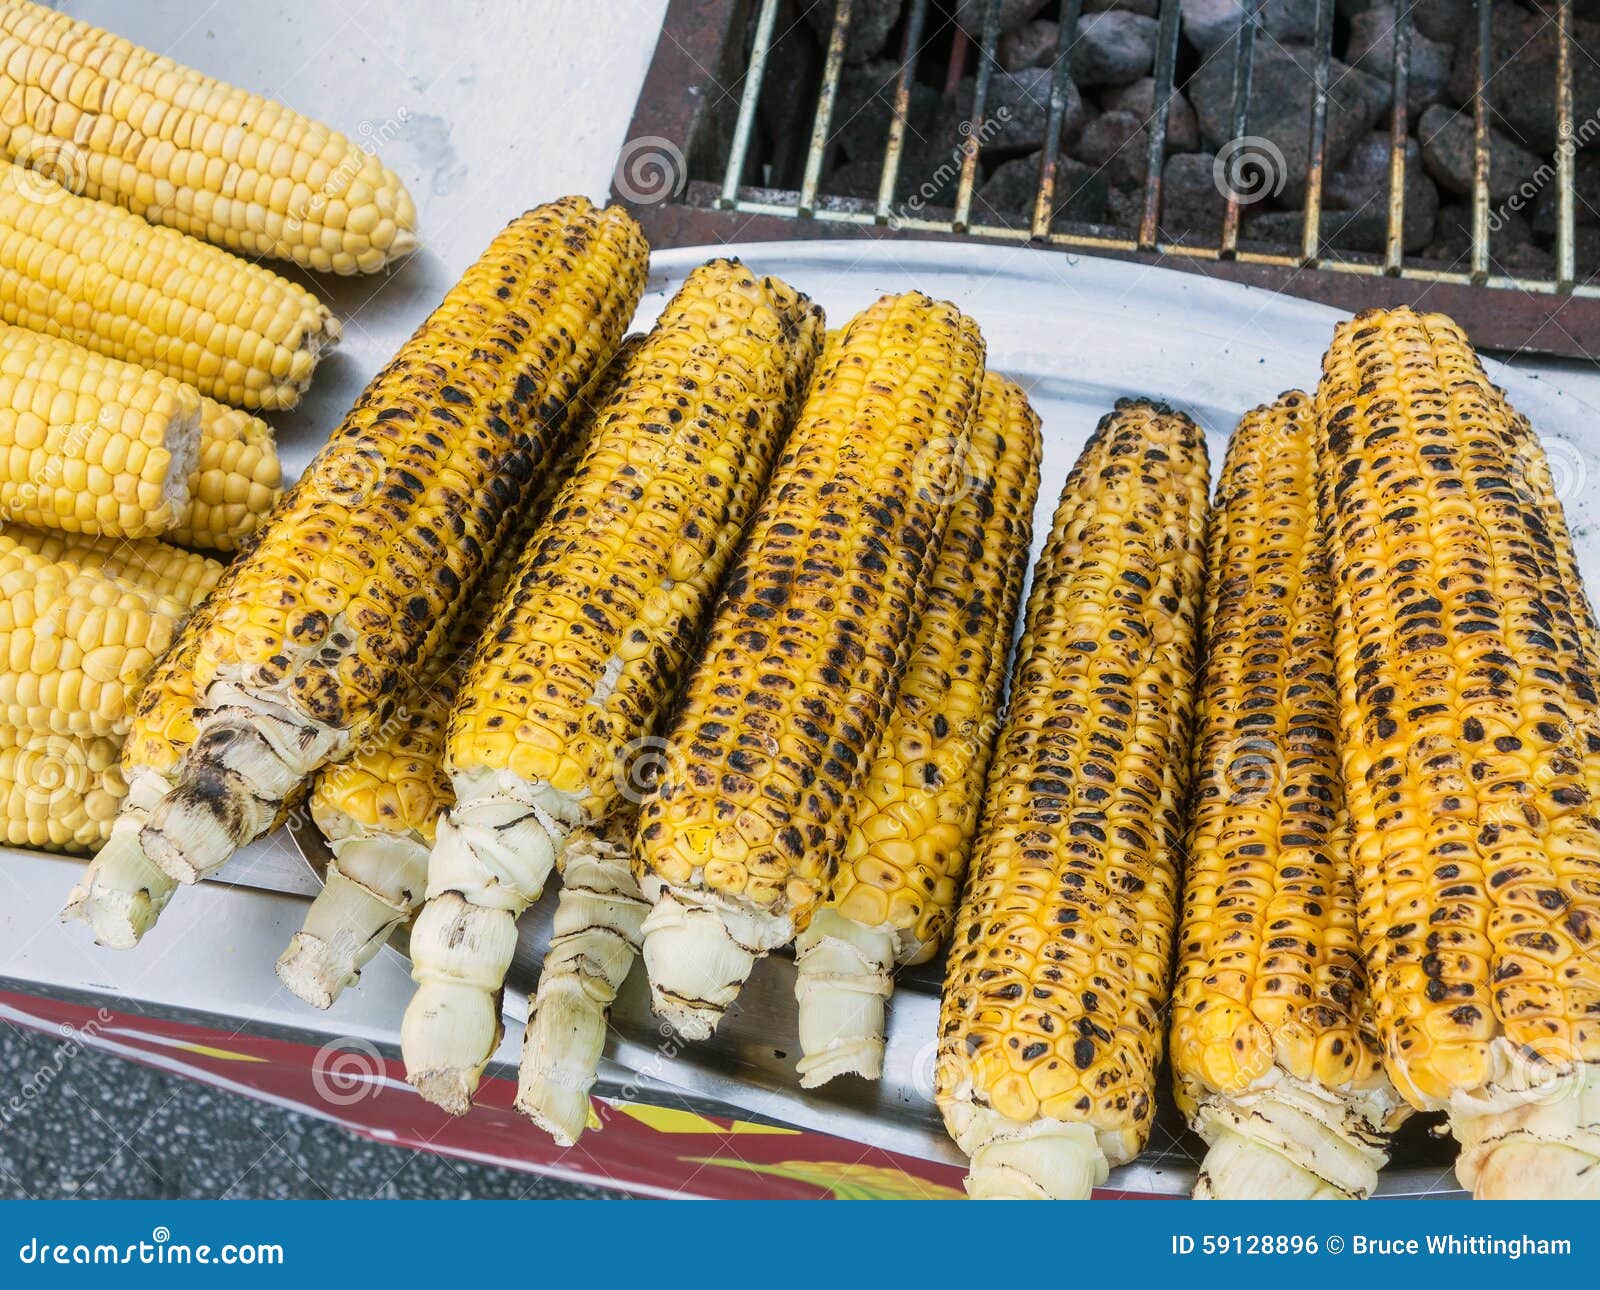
(728, 176)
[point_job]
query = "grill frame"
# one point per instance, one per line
(698, 71)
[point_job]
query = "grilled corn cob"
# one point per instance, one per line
(1467, 715)
(899, 878)
(1050, 1029)
(57, 791)
(235, 483)
(359, 574)
(378, 810)
(578, 661)
(102, 278)
(89, 444)
(1274, 1059)
(129, 127)
(166, 571)
(787, 704)
(77, 640)
(594, 941)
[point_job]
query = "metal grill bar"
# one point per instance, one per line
(1311, 226)
(974, 124)
(744, 128)
(831, 72)
(1146, 238)
(1244, 58)
(1044, 203)
(1480, 146)
(1155, 158)
(1394, 248)
(895, 147)
(1566, 266)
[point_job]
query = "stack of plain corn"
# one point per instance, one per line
(133, 356)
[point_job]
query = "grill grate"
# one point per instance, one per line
(732, 172)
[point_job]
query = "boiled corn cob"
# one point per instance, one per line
(122, 892)
(1274, 1059)
(167, 571)
(378, 810)
(899, 877)
(579, 660)
(236, 480)
(57, 792)
(129, 127)
(95, 275)
(77, 641)
(360, 572)
(89, 444)
(1051, 1026)
(1467, 709)
(787, 704)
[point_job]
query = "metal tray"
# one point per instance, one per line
(1079, 333)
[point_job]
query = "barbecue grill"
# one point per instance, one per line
(711, 174)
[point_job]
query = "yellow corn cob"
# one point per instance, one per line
(1051, 1024)
(360, 573)
(129, 127)
(1467, 709)
(236, 481)
(122, 892)
(76, 642)
(378, 809)
(581, 657)
(57, 792)
(899, 877)
(788, 702)
(1273, 1055)
(89, 444)
(167, 571)
(102, 278)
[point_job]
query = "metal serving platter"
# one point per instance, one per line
(1079, 333)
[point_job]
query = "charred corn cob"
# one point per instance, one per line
(1467, 708)
(594, 941)
(899, 877)
(378, 810)
(77, 640)
(579, 660)
(1051, 1028)
(57, 792)
(359, 573)
(89, 273)
(89, 444)
(129, 127)
(1274, 1058)
(166, 571)
(235, 483)
(787, 704)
